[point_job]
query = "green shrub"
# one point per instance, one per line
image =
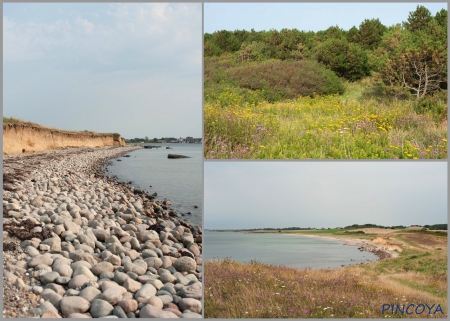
(346, 59)
(11, 120)
(435, 104)
(286, 80)
(214, 66)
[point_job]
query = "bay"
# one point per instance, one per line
(289, 250)
(178, 180)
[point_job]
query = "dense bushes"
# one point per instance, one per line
(269, 80)
(346, 59)
(408, 58)
(435, 104)
(413, 56)
(280, 80)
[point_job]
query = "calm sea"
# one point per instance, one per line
(178, 180)
(290, 250)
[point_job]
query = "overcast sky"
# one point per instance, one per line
(323, 194)
(305, 16)
(130, 68)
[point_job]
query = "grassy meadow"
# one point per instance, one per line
(241, 124)
(418, 276)
(369, 92)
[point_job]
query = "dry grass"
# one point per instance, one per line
(375, 230)
(426, 240)
(428, 285)
(13, 121)
(238, 290)
(418, 275)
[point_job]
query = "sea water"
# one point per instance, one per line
(178, 180)
(289, 250)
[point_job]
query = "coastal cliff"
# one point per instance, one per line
(22, 138)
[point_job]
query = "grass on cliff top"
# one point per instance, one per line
(256, 290)
(14, 120)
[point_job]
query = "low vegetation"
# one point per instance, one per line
(278, 80)
(371, 92)
(14, 120)
(417, 276)
(321, 127)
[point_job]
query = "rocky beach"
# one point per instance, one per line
(79, 244)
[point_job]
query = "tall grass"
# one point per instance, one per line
(321, 127)
(238, 290)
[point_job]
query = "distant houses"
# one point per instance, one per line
(190, 140)
(187, 140)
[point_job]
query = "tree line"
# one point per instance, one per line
(351, 227)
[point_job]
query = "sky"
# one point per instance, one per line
(305, 16)
(133, 68)
(243, 195)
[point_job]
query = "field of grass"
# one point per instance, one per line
(417, 276)
(333, 127)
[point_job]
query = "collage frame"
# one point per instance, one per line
(262, 171)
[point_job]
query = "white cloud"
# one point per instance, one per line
(85, 25)
(160, 28)
(128, 59)
(7, 23)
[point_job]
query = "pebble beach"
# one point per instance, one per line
(79, 244)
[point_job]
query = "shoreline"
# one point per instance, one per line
(77, 243)
(170, 183)
(368, 246)
(364, 245)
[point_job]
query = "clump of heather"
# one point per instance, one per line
(256, 290)
(236, 146)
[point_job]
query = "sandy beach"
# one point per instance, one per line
(79, 244)
(365, 245)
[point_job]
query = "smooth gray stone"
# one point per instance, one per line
(118, 311)
(100, 308)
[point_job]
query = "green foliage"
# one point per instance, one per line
(286, 80)
(11, 120)
(437, 227)
(352, 34)
(346, 59)
(212, 49)
(414, 57)
(222, 41)
(435, 105)
(273, 44)
(355, 232)
(409, 58)
(418, 20)
(331, 33)
(441, 18)
(254, 51)
(370, 33)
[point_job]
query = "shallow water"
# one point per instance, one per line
(178, 180)
(290, 250)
